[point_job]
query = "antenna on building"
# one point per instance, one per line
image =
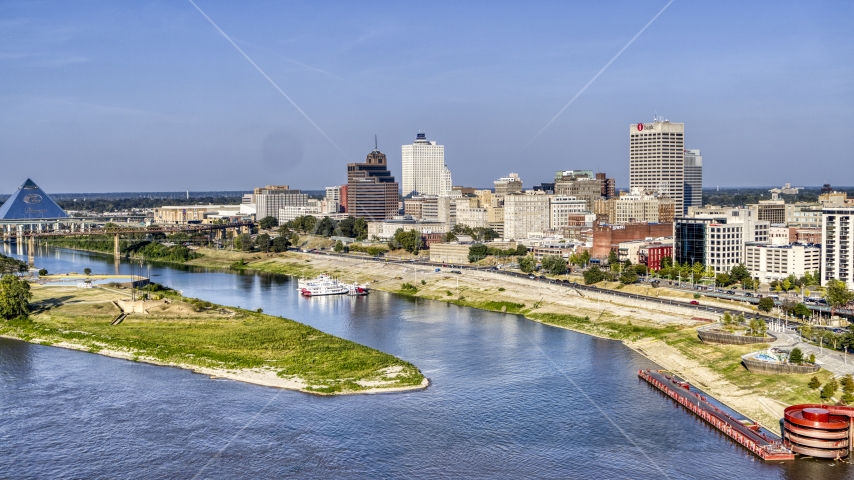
(375, 143)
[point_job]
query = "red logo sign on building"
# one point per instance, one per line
(640, 127)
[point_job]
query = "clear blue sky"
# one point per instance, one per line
(140, 96)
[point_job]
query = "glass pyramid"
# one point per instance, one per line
(30, 201)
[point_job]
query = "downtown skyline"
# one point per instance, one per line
(153, 98)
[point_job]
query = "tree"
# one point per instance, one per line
(612, 258)
(449, 237)
(360, 228)
(796, 356)
(593, 275)
(838, 294)
(585, 257)
(280, 244)
(42, 271)
(757, 327)
(801, 310)
(268, 222)
(409, 240)
(728, 321)
(739, 273)
(244, 242)
(814, 383)
(294, 238)
(527, 263)
(723, 279)
(325, 227)
(521, 250)
(15, 297)
(339, 246)
(640, 269)
(847, 383)
(666, 262)
(628, 276)
(829, 389)
(766, 304)
(477, 252)
(554, 264)
(87, 271)
(263, 242)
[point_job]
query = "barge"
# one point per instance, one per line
(748, 434)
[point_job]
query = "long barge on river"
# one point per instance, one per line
(748, 434)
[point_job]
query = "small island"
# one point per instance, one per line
(223, 342)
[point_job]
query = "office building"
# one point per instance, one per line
(525, 214)
(561, 207)
(509, 184)
(693, 179)
(371, 191)
(581, 184)
(837, 254)
(776, 262)
(270, 199)
(773, 211)
(424, 169)
(609, 185)
(636, 207)
(656, 159)
(718, 241)
(608, 237)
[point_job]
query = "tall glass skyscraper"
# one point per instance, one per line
(693, 179)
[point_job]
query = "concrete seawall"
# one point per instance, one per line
(768, 368)
(708, 336)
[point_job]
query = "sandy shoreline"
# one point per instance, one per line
(266, 378)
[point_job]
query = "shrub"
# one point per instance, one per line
(42, 271)
(796, 356)
(814, 383)
(847, 383)
(593, 275)
(408, 288)
(697, 295)
(423, 282)
(501, 289)
(812, 358)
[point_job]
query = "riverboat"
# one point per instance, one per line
(326, 285)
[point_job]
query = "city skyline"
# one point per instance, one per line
(154, 99)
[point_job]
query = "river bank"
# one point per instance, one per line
(218, 341)
(667, 338)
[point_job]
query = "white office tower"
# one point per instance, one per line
(693, 179)
(656, 160)
(837, 253)
(424, 169)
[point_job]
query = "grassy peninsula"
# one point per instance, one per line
(212, 339)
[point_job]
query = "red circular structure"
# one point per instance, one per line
(822, 431)
(640, 127)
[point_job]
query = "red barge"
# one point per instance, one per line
(748, 435)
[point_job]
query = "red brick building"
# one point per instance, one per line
(652, 255)
(607, 237)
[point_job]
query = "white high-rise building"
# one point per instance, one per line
(656, 159)
(837, 253)
(424, 169)
(693, 179)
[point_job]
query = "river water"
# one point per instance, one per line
(509, 398)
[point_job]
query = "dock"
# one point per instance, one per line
(747, 434)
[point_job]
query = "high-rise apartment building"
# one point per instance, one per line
(693, 179)
(424, 169)
(371, 191)
(837, 253)
(656, 159)
(609, 185)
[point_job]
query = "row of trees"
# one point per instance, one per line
(479, 251)
(351, 227)
(478, 234)
(9, 265)
(829, 389)
(263, 242)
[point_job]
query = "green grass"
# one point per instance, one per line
(608, 329)
(726, 360)
(246, 340)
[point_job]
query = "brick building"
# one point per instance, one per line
(607, 237)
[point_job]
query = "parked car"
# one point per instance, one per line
(457, 272)
(730, 292)
(748, 294)
(694, 302)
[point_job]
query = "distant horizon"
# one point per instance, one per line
(199, 193)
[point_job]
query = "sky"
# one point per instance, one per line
(104, 96)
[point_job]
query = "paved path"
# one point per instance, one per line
(832, 360)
